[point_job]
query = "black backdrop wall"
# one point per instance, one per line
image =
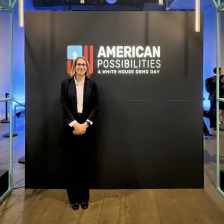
(149, 128)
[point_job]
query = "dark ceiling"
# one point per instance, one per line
(92, 5)
(121, 5)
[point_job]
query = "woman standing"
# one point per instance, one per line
(80, 105)
(221, 104)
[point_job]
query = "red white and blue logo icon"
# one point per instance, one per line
(75, 51)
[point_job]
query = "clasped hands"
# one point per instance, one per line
(79, 129)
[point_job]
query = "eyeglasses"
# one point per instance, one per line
(79, 65)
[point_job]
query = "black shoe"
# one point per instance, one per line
(75, 206)
(208, 135)
(84, 205)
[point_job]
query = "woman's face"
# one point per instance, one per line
(81, 68)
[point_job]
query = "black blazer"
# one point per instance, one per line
(210, 85)
(69, 102)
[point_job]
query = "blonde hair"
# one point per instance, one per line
(72, 74)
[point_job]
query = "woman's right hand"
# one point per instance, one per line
(79, 129)
(77, 132)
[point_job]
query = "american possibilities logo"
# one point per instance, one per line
(136, 60)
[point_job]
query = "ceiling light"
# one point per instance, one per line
(111, 1)
(21, 13)
(197, 15)
(160, 2)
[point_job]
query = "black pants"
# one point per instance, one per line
(77, 155)
(205, 129)
(212, 113)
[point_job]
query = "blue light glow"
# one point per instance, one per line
(111, 1)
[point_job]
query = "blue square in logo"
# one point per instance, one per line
(74, 51)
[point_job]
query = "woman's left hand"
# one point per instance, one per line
(76, 132)
(83, 126)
